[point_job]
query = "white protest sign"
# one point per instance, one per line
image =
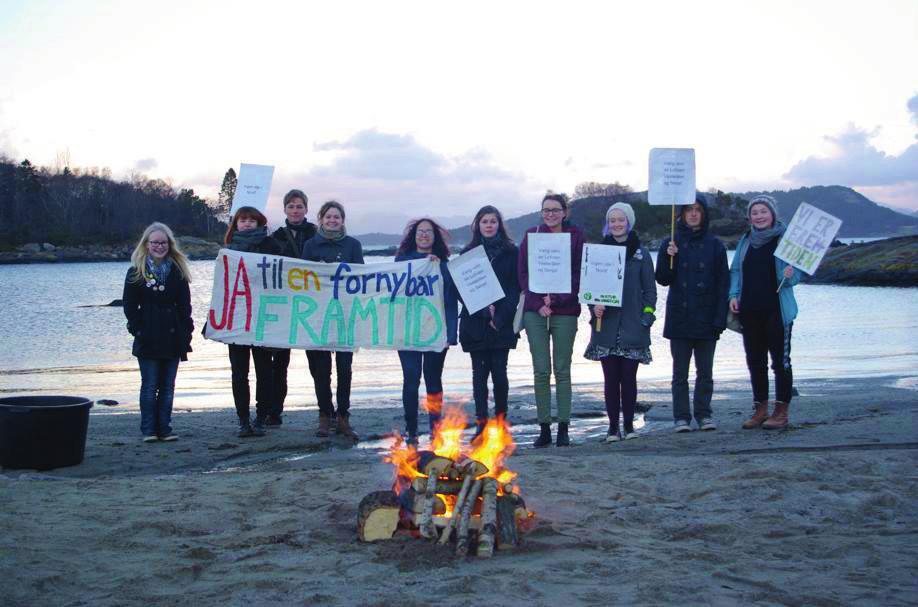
(253, 186)
(807, 238)
(672, 176)
(475, 278)
(549, 262)
(602, 274)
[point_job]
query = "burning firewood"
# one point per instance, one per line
(436, 466)
(462, 535)
(508, 535)
(488, 518)
(470, 471)
(444, 486)
(378, 516)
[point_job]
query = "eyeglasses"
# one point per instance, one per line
(158, 243)
(552, 211)
(425, 232)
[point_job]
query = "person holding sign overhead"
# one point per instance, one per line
(331, 244)
(248, 232)
(623, 338)
(290, 239)
(766, 310)
(696, 310)
(157, 304)
(425, 238)
(550, 315)
(488, 335)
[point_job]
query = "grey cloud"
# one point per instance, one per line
(370, 154)
(913, 108)
(146, 164)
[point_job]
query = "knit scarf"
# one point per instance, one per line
(247, 240)
(160, 271)
(760, 238)
(492, 245)
(631, 244)
(332, 235)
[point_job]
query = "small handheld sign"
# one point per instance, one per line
(253, 187)
(807, 238)
(475, 279)
(672, 180)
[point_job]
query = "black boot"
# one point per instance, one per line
(563, 439)
(544, 439)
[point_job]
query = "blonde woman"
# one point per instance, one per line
(157, 304)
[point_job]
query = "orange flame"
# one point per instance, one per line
(405, 460)
(493, 447)
(447, 440)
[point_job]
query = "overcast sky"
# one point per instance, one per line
(404, 108)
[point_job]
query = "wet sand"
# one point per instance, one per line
(825, 513)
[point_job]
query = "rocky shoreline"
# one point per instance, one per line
(892, 262)
(194, 248)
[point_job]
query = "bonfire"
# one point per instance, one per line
(453, 490)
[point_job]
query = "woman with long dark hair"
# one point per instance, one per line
(488, 335)
(331, 244)
(762, 293)
(248, 232)
(425, 238)
(550, 321)
(157, 304)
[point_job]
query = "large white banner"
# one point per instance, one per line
(475, 279)
(807, 238)
(281, 302)
(253, 186)
(549, 262)
(672, 176)
(602, 274)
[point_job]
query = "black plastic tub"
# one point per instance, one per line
(43, 432)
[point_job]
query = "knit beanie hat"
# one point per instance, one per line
(768, 201)
(625, 208)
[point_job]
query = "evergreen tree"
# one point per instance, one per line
(225, 197)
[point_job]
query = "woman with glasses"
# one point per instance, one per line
(157, 304)
(550, 320)
(425, 238)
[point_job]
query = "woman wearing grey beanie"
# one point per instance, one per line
(762, 293)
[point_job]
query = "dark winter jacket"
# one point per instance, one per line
(639, 293)
(564, 304)
(699, 283)
(319, 248)
(160, 321)
(475, 330)
(291, 240)
(450, 300)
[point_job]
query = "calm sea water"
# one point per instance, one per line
(51, 343)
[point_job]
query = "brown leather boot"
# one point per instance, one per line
(778, 419)
(758, 417)
(344, 427)
(324, 426)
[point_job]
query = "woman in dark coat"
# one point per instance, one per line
(623, 341)
(487, 335)
(424, 238)
(248, 232)
(157, 304)
(696, 310)
(331, 244)
(290, 239)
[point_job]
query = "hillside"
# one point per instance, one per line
(860, 215)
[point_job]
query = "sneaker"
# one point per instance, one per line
(245, 429)
(411, 441)
(681, 426)
(258, 426)
(169, 438)
(612, 438)
(630, 434)
(273, 420)
(706, 423)
(150, 439)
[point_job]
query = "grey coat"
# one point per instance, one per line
(638, 292)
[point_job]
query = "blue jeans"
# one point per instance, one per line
(157, 387)
(413, 364)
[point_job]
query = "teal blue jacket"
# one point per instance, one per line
(785, 295)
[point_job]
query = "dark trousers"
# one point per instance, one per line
(493, 363)
(682, 351)
(414, 364)
(320, 367)
(764, 334)
(264, 391)
(280, 360)
(620, 389)
(157, 387)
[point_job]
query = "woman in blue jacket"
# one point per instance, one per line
(762, 293)
(424, 238)
(487, 335)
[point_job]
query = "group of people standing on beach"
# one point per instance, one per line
(755, 293)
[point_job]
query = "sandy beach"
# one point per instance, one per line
(825, 513)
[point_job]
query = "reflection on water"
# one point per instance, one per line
(50, 344)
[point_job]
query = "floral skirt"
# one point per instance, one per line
(597, 352)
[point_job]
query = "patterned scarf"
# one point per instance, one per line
(160, 272)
